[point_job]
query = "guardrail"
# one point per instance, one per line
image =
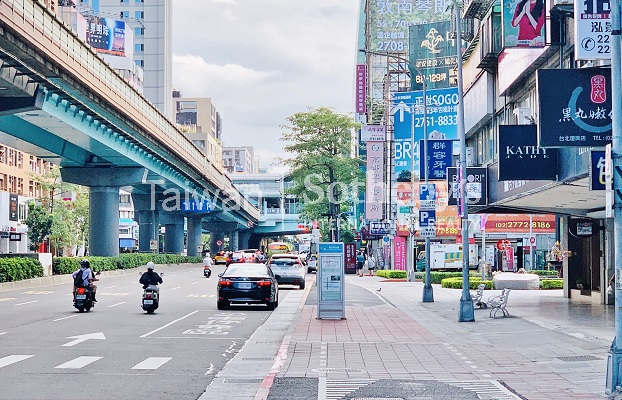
(35, 24)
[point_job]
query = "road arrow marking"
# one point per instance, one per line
(82, 338)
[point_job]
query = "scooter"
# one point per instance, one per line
(83, 297)
(207, 271)
(151, 298)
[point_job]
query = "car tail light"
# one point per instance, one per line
(265, 282)
(225, 282)
(81, 290)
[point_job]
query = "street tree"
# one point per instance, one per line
(39, 222)
(323, 168)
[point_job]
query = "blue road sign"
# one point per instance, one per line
(439, 155)
(198, 206)
(427, 218)
(427, 191)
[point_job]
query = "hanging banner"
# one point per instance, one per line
(592, 27)
(439, 154)
(575, 107)
(521, 158)
(399, 253)
(361, 89)
(523, 23)
(374, 193)
(476, 185)
(435, 55)
(598, 179)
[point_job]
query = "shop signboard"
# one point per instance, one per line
(597, 170)
(476, 186)
(521, 158)
(350, 258)
(361, 88)
(592, 27)
(523, 23)
(399, 253)
(438, 154)
(434, 52)
(330, 285)
(374, 188)
(575, 107)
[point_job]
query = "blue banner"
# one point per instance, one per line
(439, 155)
(442, 123)
(198, 206)
(597, 170)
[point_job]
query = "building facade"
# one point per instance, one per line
(239, 160)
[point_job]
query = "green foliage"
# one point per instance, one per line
(66, 265)
(39, 223)
(391, 274)
(543, 272)
(552, 284)
(456, 283)
(18, 268)
(322, 167)
(437, 276)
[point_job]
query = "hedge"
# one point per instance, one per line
(391, 274)
(552, 284)
(456, 283)
(18, 268)
(66, 265)
(543, 272)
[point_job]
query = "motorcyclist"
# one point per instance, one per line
(150, 277)
(87, 278)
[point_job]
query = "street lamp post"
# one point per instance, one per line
(467, 311)
(428, 293)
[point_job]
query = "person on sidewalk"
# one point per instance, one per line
(360, 262)
(371, 264)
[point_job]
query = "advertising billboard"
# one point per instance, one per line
(106, 35)
(438, 154)
(374, 194)
(389, 21)
(476, 186)
(523, 23)
(435, 55)
(521, 158)
(442, 123)
(575, 107)
(373, 133)
(592, 27)
(361, 89)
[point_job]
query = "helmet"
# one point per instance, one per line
(85, 263)
(150, 265)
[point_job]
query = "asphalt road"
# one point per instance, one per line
(128, 354)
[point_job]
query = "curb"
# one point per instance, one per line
(55, 280)
(281, 355)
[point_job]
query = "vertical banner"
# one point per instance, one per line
(13, 216)
(374, 197)
(350, 258)
(361, 88)
(438, 154)
(399, 253)
(523, 23)
(434, 52)
(592, 27)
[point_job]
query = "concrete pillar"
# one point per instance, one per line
(174, 236)
(104, 221)
(148, 229)
(243, 238)
(195, 229)
(215, 236)
(233, 240)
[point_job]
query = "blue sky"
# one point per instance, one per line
(263, 60)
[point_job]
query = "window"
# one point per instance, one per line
(2, 154)
(125, 14)
(139, 31)
(20, 186)
(20, 160)
(139, 14)
(124, 199)
(139, 47)
(140, 63)
(12, 184)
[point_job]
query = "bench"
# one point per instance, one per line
(477, 296)
(498, 303)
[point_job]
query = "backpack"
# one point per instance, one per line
(78, 281)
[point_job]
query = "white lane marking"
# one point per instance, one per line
(211, 369)
(169, 324)
(212, 295)
(152, 363)
(28, 302)
(60, 319)
(194, 283)
(178, 287)
(79, 362)
(2, 333)
(173, 275)
(8, 360)
(111, 287)
(118, 304)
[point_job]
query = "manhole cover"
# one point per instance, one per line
(241, 380)
(337, 370)
(579, 358)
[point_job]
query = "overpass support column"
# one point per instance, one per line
(214, 237)
(243, 239)
(194, 234)
(233, 240)
(148, 226)
(104, 221)
(174, 235)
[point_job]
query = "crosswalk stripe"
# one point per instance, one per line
(8, 360)
(79, 362)
(152, 363)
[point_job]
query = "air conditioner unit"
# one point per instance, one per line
(523, 116)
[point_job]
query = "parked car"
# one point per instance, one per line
(220, 258)
(312, 263)
(251, 283)
(289, 269)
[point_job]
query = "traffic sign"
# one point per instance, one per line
(153, 245)
(503, 244)
(427, 218)
(427, 191)
(219, 242)
(532, 241)
(427, 231)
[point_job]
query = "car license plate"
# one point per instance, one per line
(244, 285)
(81, 297)
(148, 302)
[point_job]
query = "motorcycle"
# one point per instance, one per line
(151, 298)
(83, 297)
(207, 271)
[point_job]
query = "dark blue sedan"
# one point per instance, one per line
(248, 283)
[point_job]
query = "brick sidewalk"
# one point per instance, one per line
(419, 341)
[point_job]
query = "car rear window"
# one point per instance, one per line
(246, 270)
(281, 262)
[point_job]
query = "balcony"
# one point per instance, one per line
(490, 43)
(475, 8)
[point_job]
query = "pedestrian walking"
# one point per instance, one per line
(360, 262)
(371, 264)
